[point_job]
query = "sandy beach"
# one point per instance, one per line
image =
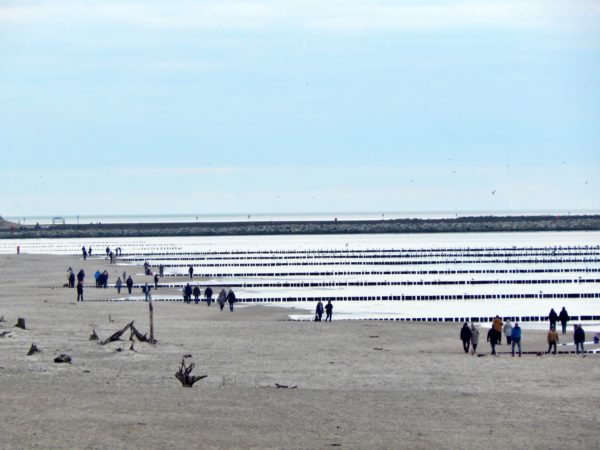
(357, 384)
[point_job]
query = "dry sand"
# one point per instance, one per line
(359, 384)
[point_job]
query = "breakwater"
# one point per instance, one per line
(454, 225)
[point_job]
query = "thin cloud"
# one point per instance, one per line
(331, 16)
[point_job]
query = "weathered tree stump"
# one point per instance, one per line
(94, 336)
(33, 350)
(184, 375)
(20, 323)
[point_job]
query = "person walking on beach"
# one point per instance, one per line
(105, 279)
(231, 299)
(507, 331)
(221, 299)
(328, 311)
(516, 339)
(146, 291)
(118, 284)
(498, 327)
(161, 270)
(80, 292)
(474, 338)
(492, 339)
(552, 317)
(552, 339)
(84, 253)
(564, 318)
(71, 279)
(208, 292)
(579, 338)
(155, 281)
(319, 311)
(80, 276)
(129, 284)
(90, 251)
(187, 293)
(196, 293)
(97, 277)
(465, 337)
(191, 271)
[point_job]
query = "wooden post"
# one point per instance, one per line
(20, 323)
(151, 309)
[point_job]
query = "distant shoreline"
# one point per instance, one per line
(476, 224)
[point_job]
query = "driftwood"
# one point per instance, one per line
(116, 336)
(33, 350)
(94, 336)
(5, 333)
(285, 386)
(63, 359)
(134, 332)
(184, 375)
(20, 323)
(140, 337)
(2, 319)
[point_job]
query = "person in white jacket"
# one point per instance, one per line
(474, 339)
(508, 331)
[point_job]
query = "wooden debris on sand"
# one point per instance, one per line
(33, 350)
(63, 359)
(184, 375)
(134, 332)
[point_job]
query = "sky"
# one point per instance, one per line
(298, 106)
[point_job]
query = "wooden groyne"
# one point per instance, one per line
(456, 225)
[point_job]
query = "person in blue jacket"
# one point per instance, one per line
(516, 338)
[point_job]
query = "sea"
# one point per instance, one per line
(442, 277)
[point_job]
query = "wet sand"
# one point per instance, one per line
(359, 384)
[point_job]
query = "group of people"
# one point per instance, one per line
(222, 298)
(71, 281)
(470, 335)
(328, 309)
(101, 279)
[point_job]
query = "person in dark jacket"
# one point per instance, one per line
(492, 339)
(579, 338)
(516, 339)
(221, 299)
(105, 279)
(84, 253)
(155, 281)
(80, 292)
(71, 279)
(191, 271)
(119, 284)
(196, 293)
(564, 318)
(465, 337)
(319, 311)
(208, 292)
(187, 293)
(231, 299)
(80, 276)
(552, 317)
(328, 311)
(129, 284)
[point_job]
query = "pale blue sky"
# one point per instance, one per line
(147, 107)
